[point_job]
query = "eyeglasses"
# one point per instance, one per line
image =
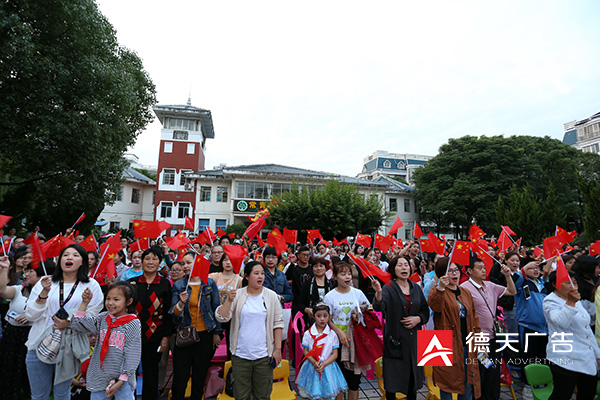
(453, 271)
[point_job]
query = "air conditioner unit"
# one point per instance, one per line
(188, 186)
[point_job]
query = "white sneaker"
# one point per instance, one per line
(526, 394)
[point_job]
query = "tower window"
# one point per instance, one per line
(169, 177)
(168, 147)
(181, 135)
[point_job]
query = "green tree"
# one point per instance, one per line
(461, 185)
(529, 215)
(336, 209)
(238, 229)
(72, 101)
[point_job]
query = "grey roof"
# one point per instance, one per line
(282, 170)
(394, 183)
(130, 173)
(583, 121)
(187, 111)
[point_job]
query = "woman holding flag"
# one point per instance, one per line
(154, 303)
(194, 305)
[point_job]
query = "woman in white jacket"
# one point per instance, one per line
(61, 292)
(256, 328)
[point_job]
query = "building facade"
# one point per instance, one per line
(584, 135)
(228, 195)
(393, 165)
(183, 136)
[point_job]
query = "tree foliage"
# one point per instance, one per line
(461, 185)
(529, 215)
(72, 101)
(336, 209)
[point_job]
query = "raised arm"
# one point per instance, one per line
(6, 292)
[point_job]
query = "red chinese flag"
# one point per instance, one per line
(426, 246)
(36, 249)
(209, 235)
(504, 241)
(367, 269)
(108, 250)
(507, 229)
(276, 240)
(552, 247)
(140, 245)
(383, 243)
(221, 232)
(475, 232)
(400, 243)
(312, 235)
(461, 253)
(363, 240)
(178, 241)
(200, 268)
(261, 242)
(417, 232)
(562, 274)
(149, 229)
(89, 243)
(416, 278)
(200, 239)
(595, 248)
(53, 246)
(255, 227)
(395, 226)
(231, 235)
(4, 220)
(437, 244)
(537, 251)
(81, 218)
(480, 246)
(236, 254)
(290, 235)
(340, 242)
(189, 223)
(563, 236)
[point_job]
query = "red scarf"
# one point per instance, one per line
(316, 351)
(122, 320)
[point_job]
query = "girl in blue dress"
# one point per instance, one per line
(320, 377)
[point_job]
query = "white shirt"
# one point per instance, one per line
(329, 342)
(252, 338)
(342, 304)
(18, 304)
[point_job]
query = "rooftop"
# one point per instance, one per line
(187, 111)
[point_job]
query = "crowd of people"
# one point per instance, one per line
(70, 331)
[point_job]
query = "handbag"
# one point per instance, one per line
(189, 335)
(48, 349)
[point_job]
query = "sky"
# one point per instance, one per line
(323, 84)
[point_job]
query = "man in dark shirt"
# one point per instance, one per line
(298, 274)
(216, 253)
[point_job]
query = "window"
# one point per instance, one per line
(221, 223)
(191, 148)
(154, 197)
(181, 124)
(222, 194)
(408, 233)
(205, 193)
(120, 194)
(181, 135)
(183, 210)
(115, 225)
(261, 190)
(131, 226)
(203, 224)
(168, 177)
(387, 164)
(401, 165)
(166, 209)
(393, 205)
(135, 195)
(182, 178)
(168, 147)
(406, 205)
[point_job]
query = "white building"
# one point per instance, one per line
(228, 195)
(136, 200)
(584, 135)
(383, 163)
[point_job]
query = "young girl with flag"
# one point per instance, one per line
(321, 377)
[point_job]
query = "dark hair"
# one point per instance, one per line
(552, 280)
(96, 256)
(301, 249)
(472, 262)
(224, 237)
(586, 266)
(221, 260)
(441, 266)
(250, 266)
(82, 272)
(12, 272)
(121, 255)
(176, 263)
(355, 250)
(157, 251)
(511, 254)
(321, 307)
(394, 263)
(270, 251)
(318, 260)
(128, 291)
(321, 244)
(341, 266)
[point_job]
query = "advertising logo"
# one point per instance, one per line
(434, 348)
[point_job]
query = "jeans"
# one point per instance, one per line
(468, 395)
(125, 393)
(41, 381)
(196, 357)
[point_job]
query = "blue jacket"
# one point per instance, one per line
(208, 304)
(530, 313)
(279, 284)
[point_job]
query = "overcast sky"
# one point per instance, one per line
(323, 84)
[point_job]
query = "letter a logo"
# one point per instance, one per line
(434, 348)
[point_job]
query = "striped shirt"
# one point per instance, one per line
(124, 352)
